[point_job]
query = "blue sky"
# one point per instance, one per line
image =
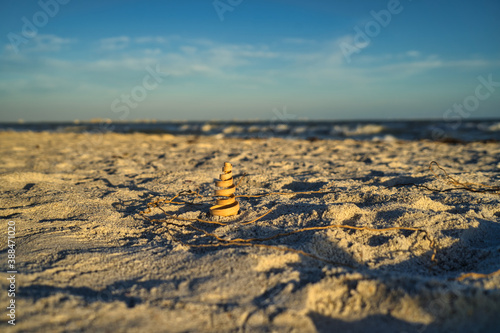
(240, 59)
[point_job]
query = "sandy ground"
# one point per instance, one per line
(87, 261)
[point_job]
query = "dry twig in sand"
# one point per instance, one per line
(476, 275)
(471, 187)
(255, 242)
(217, 241)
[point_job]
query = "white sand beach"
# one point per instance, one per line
(87, 260)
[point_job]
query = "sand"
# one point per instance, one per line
(87, 260)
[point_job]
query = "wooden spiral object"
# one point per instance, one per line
(228, 205)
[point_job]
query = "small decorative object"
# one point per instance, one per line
(228, 205)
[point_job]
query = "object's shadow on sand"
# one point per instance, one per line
(372, 324)
(109, 294)
(476, 247)
(117, 291)
(304, 186)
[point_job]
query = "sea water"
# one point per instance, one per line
(464, 131)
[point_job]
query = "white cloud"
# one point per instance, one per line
(413, 53)
(121, 64)
(191, 50)
(123, 42)
(471, 63)
(151, 39)
(43, 43)
(152, 52)
(38, 83)
(298, 41)
(115, 43)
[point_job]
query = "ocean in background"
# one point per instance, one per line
(448, 131)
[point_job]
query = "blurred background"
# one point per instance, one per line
(125, 60)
